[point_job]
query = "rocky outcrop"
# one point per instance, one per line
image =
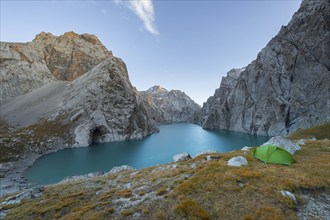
(181, 157)
(169, 106)
(103, 106)
(25, 195)
(71, 55)
(82, 177)
(28, 66)
(215, 109)
(22, 69)
(99, 104)
(119, 169)
(286, 87)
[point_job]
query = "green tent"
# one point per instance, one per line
(273, 154)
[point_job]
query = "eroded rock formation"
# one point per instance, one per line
(286, 87)
(104, 106)
(98, 105)
(28, 66)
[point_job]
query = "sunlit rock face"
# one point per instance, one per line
(286, 87)
(28, 66)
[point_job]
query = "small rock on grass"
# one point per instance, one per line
(237, 161)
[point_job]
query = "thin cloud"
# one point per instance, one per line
(144, 9)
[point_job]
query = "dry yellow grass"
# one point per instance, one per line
(320, 132)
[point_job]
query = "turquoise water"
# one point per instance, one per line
(155, 149)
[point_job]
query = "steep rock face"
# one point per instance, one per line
(215, 109)
(287, 86)
(22, 69)
(169, 106)
(28, 66)
(103, 106)
(99, 104)
(71, 55)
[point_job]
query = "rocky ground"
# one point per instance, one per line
(20, 147)
(11, 179)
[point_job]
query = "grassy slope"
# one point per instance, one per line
(319, 132)
(16, 142)
(212, 190)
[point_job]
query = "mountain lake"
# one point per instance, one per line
(158, 148)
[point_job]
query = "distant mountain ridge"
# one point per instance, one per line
(169, 106)
(286, 87)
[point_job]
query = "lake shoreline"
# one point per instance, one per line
(12, 179)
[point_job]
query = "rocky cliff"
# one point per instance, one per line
(169, 106)
(103, 106)
(72, 81)
(28, 66)
(286, 87)
(212, 108)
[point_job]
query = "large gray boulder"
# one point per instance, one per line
(181, 157)
(285, 87)
(284, 143)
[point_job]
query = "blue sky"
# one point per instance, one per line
(186, 45)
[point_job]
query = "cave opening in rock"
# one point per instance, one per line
(97, 136)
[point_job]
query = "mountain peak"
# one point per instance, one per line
(157, 89)
(43, 36)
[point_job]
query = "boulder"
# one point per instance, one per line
(237, 161)
(284, 143)
(181, 157)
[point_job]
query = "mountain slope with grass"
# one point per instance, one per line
(286, 87)
(204, 187)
